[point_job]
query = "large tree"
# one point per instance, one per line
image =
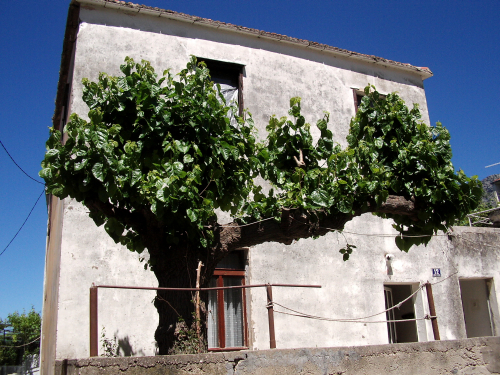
(157, 159)
(20, 338)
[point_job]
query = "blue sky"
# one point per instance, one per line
(458, 40)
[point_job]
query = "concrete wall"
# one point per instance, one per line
(462, 357)
(80, 254)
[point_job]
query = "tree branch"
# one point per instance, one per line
(296, 224)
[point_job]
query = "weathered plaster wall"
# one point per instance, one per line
(464, 357)
(274, 72)
(354, 288)
(90, 256)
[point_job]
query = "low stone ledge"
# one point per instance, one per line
(461, 357)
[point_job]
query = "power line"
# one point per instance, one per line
(11, 158)
(243, 225)
(491, 165)
(337, 230)
(32, 208)
(20, 346)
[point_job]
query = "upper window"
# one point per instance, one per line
(230, 78)
(358, 96)
(227, 328)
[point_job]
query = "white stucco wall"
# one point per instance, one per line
(274, 72)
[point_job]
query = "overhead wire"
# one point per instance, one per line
(243, 225)
(25, 220)
(17, 165)
(32, 208)
(388, 235)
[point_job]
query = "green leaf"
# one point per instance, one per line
(188, 159)
(46, 173)
(320, 197)
(98, 171)
(403, 244)
(264, 154)
(378, 142)
(51, 154)
(136, 177)
(80, 165)
(345, 205)
(192, 215)
(226, 152)
(100, 138)
(295, 100)
(178, 166)
(321, 124)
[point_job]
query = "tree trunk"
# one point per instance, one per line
(176, 267)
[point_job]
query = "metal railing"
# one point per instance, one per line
(94, 339)
(476, 218)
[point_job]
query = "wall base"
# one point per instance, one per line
(460, 357)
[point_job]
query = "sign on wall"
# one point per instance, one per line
(436, 272)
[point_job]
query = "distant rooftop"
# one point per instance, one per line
(424, 72)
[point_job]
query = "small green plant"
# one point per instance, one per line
(109, 346)
(346, 251)
(186, 339)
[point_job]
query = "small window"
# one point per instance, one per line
(227, 328)
(358, 96)
(230, 77)
(404, 331)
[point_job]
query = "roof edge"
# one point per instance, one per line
(423, 72)
(72, 23)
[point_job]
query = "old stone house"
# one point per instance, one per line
(264, 70)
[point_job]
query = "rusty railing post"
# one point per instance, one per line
(94, 339)
(270, 315)
(432, 310)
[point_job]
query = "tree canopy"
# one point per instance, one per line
(157, 157)
(19, 334)
(171, 150)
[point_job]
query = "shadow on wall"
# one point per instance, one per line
(125, 349)
(118, 347)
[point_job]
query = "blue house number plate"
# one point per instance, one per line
(436, 272)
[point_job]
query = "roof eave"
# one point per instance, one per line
(424, 73)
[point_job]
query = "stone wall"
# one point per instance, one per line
(460, 357)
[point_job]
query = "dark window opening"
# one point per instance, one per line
(405, 331)
(230, 77)
(358, 97)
